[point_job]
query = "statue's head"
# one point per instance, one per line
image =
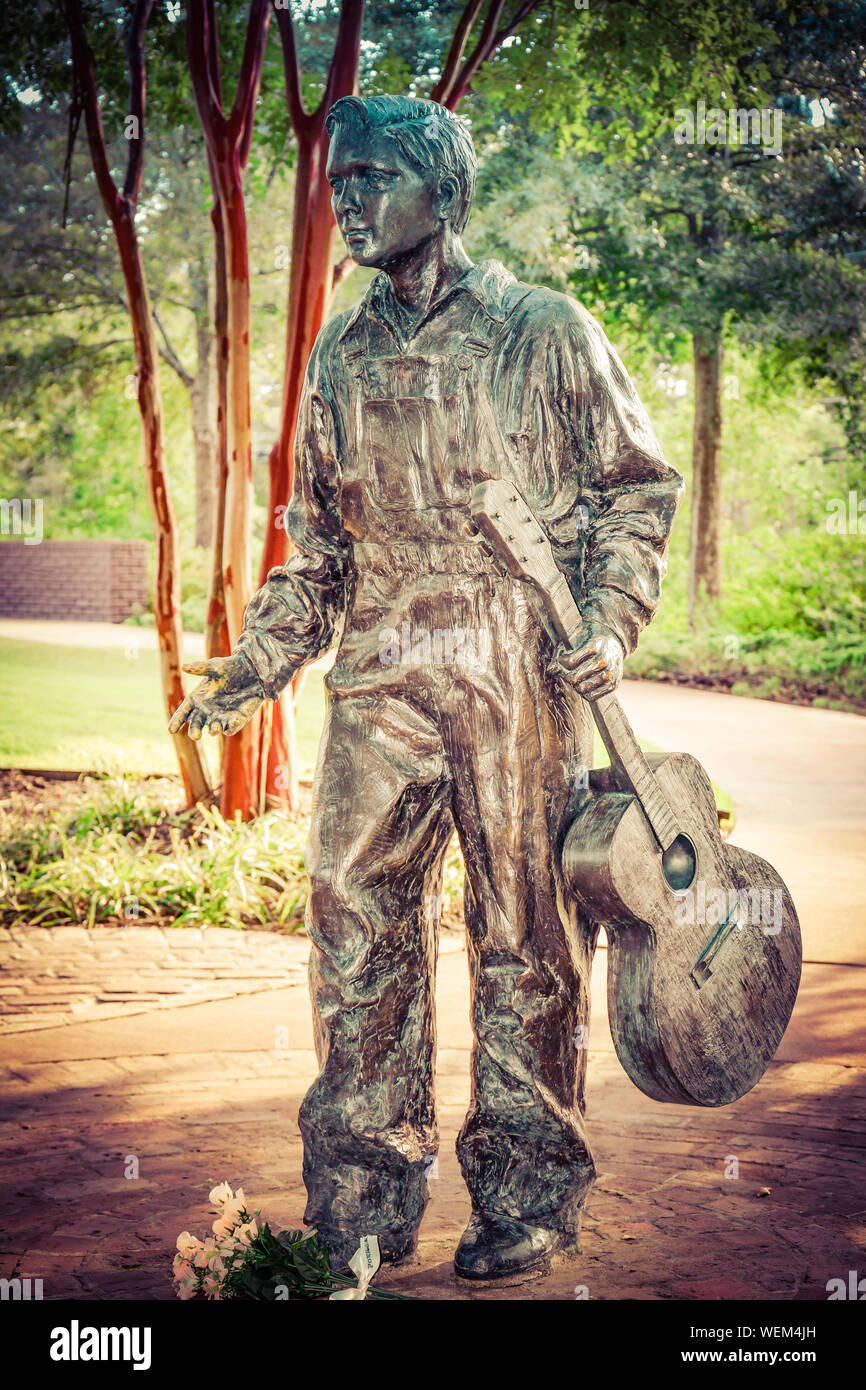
(402, 173)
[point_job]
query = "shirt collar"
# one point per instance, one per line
(487, 282)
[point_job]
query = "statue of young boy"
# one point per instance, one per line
(448, 705)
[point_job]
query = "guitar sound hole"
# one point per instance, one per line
(679, 863)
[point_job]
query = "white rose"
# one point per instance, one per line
(247, 1234)
(187, 1245)
(205, 1254)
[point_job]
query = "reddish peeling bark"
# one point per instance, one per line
(120, 207)
(228, 143)
(216, 628)
(310, 290)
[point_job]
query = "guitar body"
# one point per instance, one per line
(702, 980)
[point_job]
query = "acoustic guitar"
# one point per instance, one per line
(703, 939)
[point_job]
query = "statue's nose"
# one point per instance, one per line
(347, 199)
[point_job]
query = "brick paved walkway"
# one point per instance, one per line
(70, 974)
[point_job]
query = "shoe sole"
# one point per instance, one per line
(527, 1275)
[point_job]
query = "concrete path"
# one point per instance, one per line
(797, 777)
(115, 1128)
(70, 634)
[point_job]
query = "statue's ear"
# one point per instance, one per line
(447, 198)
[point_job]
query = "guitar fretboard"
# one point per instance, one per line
(616, 732)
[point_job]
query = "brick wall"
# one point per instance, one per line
(82, 581)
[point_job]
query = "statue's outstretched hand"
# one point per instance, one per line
(595, 667)
(229, 695)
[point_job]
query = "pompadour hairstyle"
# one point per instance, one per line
(429, 135)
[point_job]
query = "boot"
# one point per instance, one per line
(494, 1247)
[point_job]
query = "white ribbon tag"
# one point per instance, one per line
(363, 1264)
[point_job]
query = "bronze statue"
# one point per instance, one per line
(450, 706)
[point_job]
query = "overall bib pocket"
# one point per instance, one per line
(414, 439)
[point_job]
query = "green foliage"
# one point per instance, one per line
(291, 1260)
(124, 858)
(291, 1263)
(790, 620)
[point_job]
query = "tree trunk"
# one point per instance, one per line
(120, 208)
(227, 139)
(216, 628)
(241, 763)
(705, 552)
(202, 401)
(166, 599)
(310, 278)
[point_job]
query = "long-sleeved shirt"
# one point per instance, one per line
(497, 379)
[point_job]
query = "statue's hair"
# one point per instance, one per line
(430, 137)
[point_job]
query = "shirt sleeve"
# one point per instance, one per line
(627, 495)
(292, 618)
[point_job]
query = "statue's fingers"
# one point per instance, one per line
(197, 721)
(234, 721)
(180, 716)
(568, 657)
(591, 665)
(591, 689)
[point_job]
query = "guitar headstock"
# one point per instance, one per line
(512, 533)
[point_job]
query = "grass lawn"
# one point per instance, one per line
(98, 709)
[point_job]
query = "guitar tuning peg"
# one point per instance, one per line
(470, 528)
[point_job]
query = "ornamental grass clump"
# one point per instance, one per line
(121, 859)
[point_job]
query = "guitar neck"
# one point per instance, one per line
(616, 732)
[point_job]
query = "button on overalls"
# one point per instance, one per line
(426, 734)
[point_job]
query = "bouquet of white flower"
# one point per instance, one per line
(244, 1258)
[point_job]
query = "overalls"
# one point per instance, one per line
(423, 736)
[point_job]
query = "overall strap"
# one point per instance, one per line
(477, 344)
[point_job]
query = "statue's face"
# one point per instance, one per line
(384, 207)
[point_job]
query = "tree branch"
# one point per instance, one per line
(343, 72)
(137, 98)
(298, 114)
(82, 58)
(342, 268)
(442, 89)
(489, 41)
(203, 54)
(168, 353)
(243, 112)
(526, 8)
(480, 52)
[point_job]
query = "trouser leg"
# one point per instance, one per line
(523, 1148)
(380, 826)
